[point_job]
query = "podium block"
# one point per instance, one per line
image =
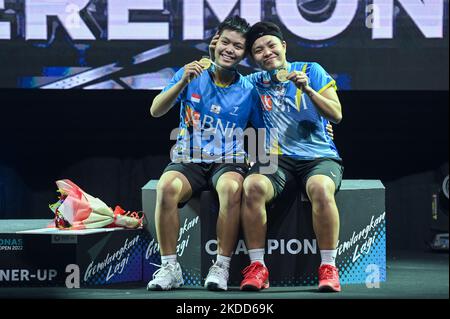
(32, 255)
(292, 253)
(189, 241)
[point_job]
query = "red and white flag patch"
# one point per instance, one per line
(195, 98)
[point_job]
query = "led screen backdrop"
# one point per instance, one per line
(139, 44)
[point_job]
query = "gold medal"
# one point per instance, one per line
(205, 63)
(282, 75)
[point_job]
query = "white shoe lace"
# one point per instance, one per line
(218, 271)
(163, 270)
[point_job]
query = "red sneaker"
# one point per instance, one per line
(256, 277)
(329, 279)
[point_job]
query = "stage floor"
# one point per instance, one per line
(410, 275)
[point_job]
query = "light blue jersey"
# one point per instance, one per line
(213, 118)
(301, 129)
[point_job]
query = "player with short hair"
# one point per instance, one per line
(215, 104)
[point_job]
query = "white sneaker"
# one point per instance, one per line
(169, 276)
(217, 277)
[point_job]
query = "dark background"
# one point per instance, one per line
(107, 143)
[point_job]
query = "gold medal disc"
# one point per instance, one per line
(205, 63)
(282, 75)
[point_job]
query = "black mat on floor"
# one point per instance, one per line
(410, 275)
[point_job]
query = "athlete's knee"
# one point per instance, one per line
(321, 194)
(168, 191)
(229, 190)
(256, 188)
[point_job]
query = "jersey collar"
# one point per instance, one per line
(237, 78)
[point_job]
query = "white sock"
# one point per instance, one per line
(224, 261)
(256, 255)
(328, 257)
(168, 259)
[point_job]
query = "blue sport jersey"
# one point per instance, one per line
(301, 129)
(213, 118)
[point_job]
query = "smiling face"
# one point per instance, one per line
(230, 49)
(269, 52)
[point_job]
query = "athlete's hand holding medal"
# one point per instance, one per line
(300, 79)
(194, 69)
(191, 71)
